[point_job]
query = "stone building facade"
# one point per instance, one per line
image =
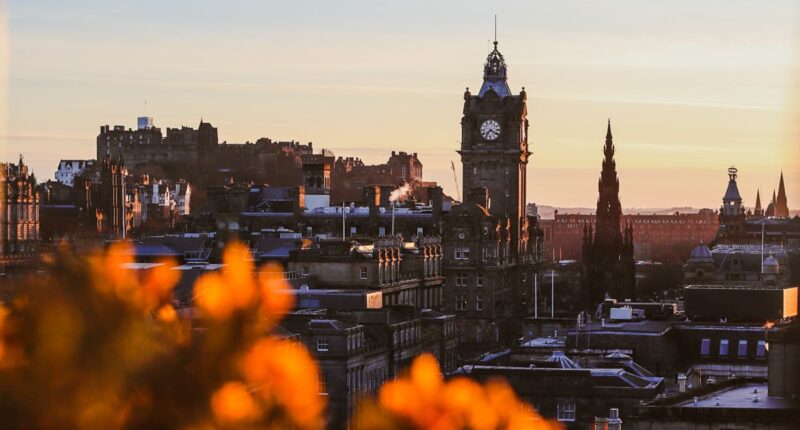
(360, 349)
(19, 220)
(666, 238)
(406, 273)
(198, 156)
(350, 175)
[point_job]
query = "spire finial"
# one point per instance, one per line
(608, 130)
(495, 30)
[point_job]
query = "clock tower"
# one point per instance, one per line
(494, 145)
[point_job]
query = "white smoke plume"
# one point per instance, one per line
(401, 193)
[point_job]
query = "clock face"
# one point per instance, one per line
(490, 129)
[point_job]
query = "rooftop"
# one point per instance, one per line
(748, 396)
(643, 327)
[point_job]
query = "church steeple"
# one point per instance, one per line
(781, 206)
(757, 211)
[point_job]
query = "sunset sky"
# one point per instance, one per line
(691, 87)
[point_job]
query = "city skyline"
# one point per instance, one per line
(712, 96)
(252, 221)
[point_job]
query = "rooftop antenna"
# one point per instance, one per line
(495, 28)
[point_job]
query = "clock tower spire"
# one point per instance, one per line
(492, 248)
(494, 144)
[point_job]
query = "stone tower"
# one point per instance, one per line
(731, 214)
(608, 265)
(494, 145)
(111, 216)
(609, 209)
(492, 249)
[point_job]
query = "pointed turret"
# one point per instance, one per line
(781, 206)
(771, 206)
(758, 211)
(495, 75)
(732, 200)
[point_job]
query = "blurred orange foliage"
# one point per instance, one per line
(423, 400)
(95, 345)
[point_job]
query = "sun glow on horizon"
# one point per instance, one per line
(689, 91)
(4, 58)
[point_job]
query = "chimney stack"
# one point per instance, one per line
(372, 197)
(298, 202)
(600, 423)
(681, 382)
(614, 423)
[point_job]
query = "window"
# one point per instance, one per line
(352, 231)
(461, 253)
(479, 279)
(322, 345)
(479, 302)
(381, 231)
(565, 410)
(761, 349)
(742, 348)
(461, 302)
(304, 270)
(420, 231)
(524, 277)
(363, 273)
(323, 383)
(461, 280)
(723, 348)
(705, 347)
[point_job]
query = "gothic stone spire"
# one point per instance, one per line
(781, 205)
